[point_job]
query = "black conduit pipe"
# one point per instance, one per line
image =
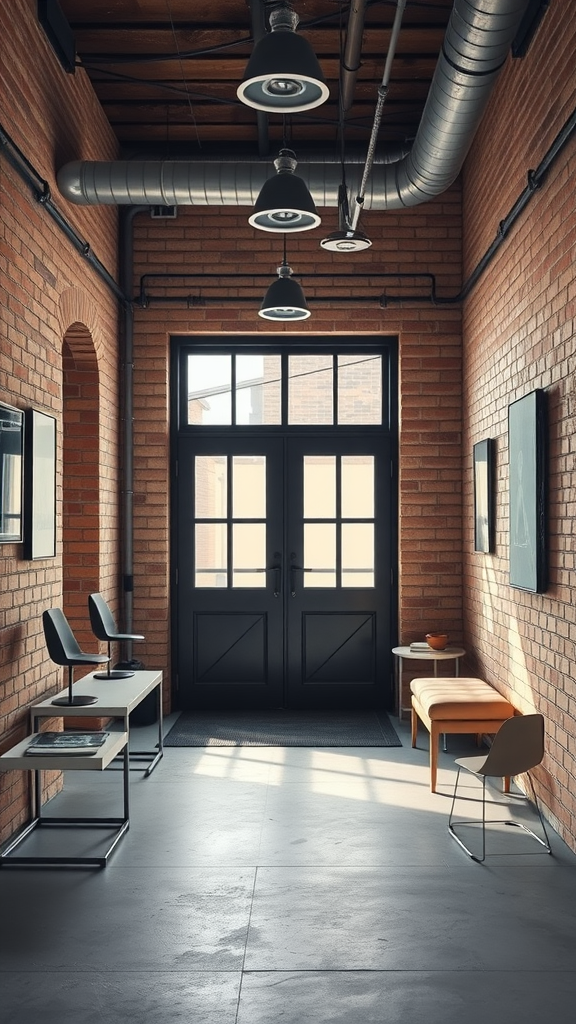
(41, 191)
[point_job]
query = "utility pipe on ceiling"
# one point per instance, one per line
(352, 52)
(475, 48)
(382, 94)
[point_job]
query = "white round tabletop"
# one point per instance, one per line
(430, 654)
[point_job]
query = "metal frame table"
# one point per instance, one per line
(448, 654)
(16, 759)
(116, 699)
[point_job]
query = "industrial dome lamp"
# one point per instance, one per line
(284, 203)
(283, 74)
(347, 238)
(284, 300)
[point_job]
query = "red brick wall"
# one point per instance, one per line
(423, 240)
(45, 288)
(519, 334)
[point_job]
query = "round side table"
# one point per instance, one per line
(448, 654)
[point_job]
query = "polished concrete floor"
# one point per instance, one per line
(303, 886)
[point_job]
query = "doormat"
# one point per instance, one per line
(279, 728)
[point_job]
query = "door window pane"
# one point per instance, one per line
(319, 486)
(358, 486)
(210, 487)
(357, 555)
(320, 555)
(249, 487)
(359, 389)
(210, 554)
(209, 390)
(248, 554)
(310, 394)
(258, 391)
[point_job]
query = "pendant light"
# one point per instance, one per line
(284, 300)
(348, 238)
(284, 202)
(283, 74)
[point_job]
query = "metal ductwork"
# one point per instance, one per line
(476, 45)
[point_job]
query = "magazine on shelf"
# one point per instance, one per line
(66, 742)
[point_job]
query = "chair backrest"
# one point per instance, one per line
(101, 618)
(60, 640)
(517, 746)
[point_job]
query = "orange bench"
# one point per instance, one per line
(455, 705)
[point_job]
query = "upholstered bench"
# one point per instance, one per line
(455, 705)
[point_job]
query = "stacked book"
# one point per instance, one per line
(419, 645)
(78, 743)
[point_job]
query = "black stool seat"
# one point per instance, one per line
(64, 650)
(104, 628)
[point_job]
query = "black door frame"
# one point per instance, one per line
(206, 344)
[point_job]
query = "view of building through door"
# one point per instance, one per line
(283, 538)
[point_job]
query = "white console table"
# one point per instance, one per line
(16, 759)
(117, 698)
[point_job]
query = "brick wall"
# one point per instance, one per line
(46, 290)
(424, 240)
(518, 328)
(519, 334)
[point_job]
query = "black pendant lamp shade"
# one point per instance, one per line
(283, 73)
(284, 299)
(284, 203)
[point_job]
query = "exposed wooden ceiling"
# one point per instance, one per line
(166, 72)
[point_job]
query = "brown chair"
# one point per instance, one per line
(517, 747)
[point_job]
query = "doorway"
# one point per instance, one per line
(283, 526)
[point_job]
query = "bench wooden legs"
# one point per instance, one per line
(437, 727)
(434, 741)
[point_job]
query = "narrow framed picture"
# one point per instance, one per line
(483, 508)
(11, 463)
(40, 486)
(527, 509)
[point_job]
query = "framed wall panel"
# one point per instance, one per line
(11, 466)
(483, 504)
(527, 465)
(40, 486)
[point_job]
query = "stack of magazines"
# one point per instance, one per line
(418, 645)
(78, 743)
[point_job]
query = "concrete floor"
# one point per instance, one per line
(258, 885)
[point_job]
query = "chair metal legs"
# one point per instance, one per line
(493, 821)
(113, 673)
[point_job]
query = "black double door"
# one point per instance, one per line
(284, 562)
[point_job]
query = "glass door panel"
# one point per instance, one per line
(310, 390)
(357, 486)
(249, 555)
(319, 555)
(357, 554)
(249, 487)
(319, 486)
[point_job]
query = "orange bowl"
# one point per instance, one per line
(437, 641)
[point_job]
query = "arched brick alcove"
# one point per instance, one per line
(80, 479)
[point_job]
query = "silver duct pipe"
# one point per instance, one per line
(476, 45)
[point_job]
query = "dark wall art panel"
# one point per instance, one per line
(527, 455)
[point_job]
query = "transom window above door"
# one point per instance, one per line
(296, 389)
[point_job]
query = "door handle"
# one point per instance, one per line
(294, 569)
(277, 570)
